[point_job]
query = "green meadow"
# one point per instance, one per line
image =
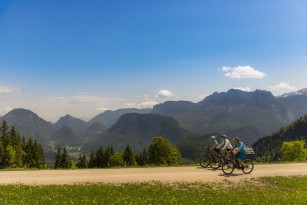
(268, 190)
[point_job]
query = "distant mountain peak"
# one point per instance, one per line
(236, 96)
(302, 92)
(66, 135)
(28, 123)
(22, 111)
(109, 118)
(72, 122)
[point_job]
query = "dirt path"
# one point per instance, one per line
(162, 174)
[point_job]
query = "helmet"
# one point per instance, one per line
(212, 137)
(223, 136)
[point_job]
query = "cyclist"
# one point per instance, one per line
(225, 146)
(214, 146)
(241, 154)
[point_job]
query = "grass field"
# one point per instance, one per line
(269, 190)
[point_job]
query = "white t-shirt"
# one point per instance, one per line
(226, 144)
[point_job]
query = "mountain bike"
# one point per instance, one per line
(229, 165)
(207, 159)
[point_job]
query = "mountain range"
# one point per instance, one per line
(138, 130)
(249, 115)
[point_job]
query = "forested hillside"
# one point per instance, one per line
(268, 148)
(17, 152)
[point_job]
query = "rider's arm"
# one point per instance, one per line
(213, 145)
(225, 145)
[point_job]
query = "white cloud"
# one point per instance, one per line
(84, 99)
(283, 87)
(240, 72)
(9, 90)
(102, 109)
(247, 89)
(5, 110)
(141, 105)
(201, 97)
(165, 94)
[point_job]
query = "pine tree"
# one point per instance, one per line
(99, 158)
(29, 154)
(82, 163)
(23, 143)
(58, 159)
(1, 154)
(38, 155)
(5, 134)
(15, 152)
(92, 160)
(66, 161)
(142, 158)
(128, 156)
(107, 155)
(16, 144)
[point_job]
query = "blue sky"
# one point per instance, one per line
(81, 57)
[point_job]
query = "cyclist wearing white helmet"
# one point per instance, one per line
(225, 146)
(214, 145)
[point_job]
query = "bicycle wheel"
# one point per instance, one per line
(215, 162)
(249, 166)
(228, 167)
(204, 161)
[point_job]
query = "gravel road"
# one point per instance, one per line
(137, 175)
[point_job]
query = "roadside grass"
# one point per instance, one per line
(267, 190)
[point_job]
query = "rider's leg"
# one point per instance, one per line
(227, 153)
(241, 162)
(241, 156)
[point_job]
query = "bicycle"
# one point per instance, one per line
(229, 165)
(207, 159)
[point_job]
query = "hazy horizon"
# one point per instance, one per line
(81, 58)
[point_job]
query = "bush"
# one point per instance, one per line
(293, 151)
(163, 152)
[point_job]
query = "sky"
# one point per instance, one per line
(82, 57)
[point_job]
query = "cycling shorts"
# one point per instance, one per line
(241, 155)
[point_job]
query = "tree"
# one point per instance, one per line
(117, 160)
(38, 155)
(92, 160)
(128, 156)
(15, 152)
(293, 151)
(99, 158)
(9, 156)
(66, 161)
(82, 163)
(58, 159)
(107, 155)
(29, 154)
(142, 158)
(162, 152)
(5, 134)
(16, 144)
